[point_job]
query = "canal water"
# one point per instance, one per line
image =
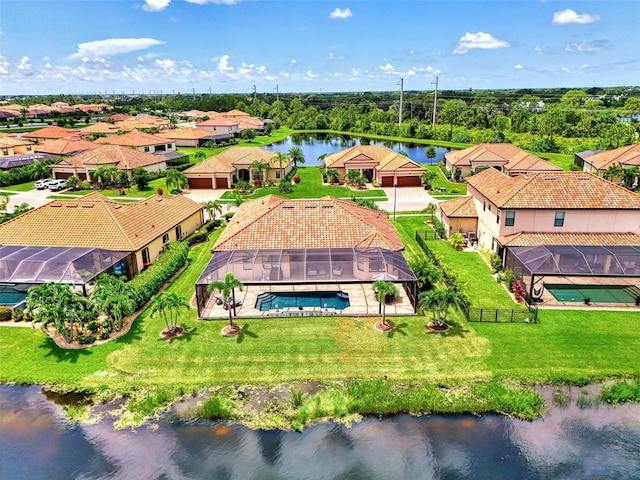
(315, 144)
(570, 442)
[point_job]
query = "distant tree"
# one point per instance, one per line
(281, 159)
(296, 155)
(439, 301)
(431, 153)
(451, 111)
(141, 178)
(248, 134)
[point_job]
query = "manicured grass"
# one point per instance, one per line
(22, 187)
(453, 188)
(311, 186)
(562, 160)
(131, 192)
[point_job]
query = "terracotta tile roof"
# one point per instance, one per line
(557, 190)
(510, 156)
(96, 221)
(625, 156)
(184, 133)
(276, 222)
(461, 207)
(134, 138)
(232, 158)
(530, 239)
(65, 146)
(217, 122)
(52, 132)
(125, 158)
(7, 141)
(387, 159)
(100, 127)
(118, 117)
(235, 113)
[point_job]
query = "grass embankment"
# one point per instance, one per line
(311, 186)
(424, 372)
(22, 187)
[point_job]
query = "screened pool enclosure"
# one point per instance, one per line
(307, 266)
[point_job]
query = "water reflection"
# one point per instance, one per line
(314, 145)
(598, 442)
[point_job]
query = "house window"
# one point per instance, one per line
(559, 220)
(509, 219)
(28, 148)
(146, 149)
(165, 238)
(146, 259)
(5, 151)
(484, 206)
(278, 174)
(179, 232)
(169, 146)
(498, 219)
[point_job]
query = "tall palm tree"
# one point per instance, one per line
(439, 301)
(177, 178)
(99, 175)
(612, 172)
(213, 206)
(384, 290)
(236, 201)
(629, 176)
(296, 155)
(111, 173)
(227, 288)
(160, 306)
(428, 178)
(113, 297)
(174, 304)
(260, 166)
(280, 158)
(332, 175)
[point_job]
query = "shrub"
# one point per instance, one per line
(517, 289)
(257, 182)
(228, 216)
(197, 238)
(216, 408)
(439, 228)
(509, 277)
(496, 262)
(93, 326)
(296, 179)
(18, 315)
(5, 314)
(103, 335)
(86, 339)
(457, 240)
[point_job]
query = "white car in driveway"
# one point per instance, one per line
(43, 183)
(57, 185)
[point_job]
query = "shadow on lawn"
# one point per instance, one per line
(63, 354)
(398, 329)
(245, 332)
(187, 335)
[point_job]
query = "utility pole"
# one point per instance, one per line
(277, 93)
(254, 92)
(435, 103)
(400, 113)
(194, 94)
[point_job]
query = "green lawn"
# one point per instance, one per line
(22, 187)
(311, 186)
(453, 188)
(131, 192)
(562, 160)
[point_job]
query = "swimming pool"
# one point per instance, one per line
(596, 293)
(10, 297)
(281, 300)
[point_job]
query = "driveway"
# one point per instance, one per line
(406, 199)
(35, 198)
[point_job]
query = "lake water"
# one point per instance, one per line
(598, 442)
(315, 144)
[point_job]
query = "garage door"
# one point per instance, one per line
(62, 175)
(408, 181)
(387, 181)
(222, 183)
(200, 183)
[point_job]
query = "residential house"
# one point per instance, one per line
(51, 133)
(275, 243)
(377, 163)
(100, 129)
(625, 157)
(74, 241)
(504, 157)
(186, 136)
(220, 127)
(459, 215)
(65, 146)
(124, 158)
(17, 152)
(144, 142)
(226, 168)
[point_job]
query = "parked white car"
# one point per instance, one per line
(57, 185)
(43, 183)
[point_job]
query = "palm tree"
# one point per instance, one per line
(174, 304)
(428, 178)
(322, 157)
(177, 178)
(40, 170)
(430, 209)
(236, 201)
(280, 158)
(297, 155)
(227, 291)
(353, 176)
(4, 201)
(199, 155)
(99, 175)
(332, 175)
(113, 297)
(612, 172)
(260, 166)
(383, 291)
(212, 206)
(160, 306)
(629, 176)
(439, 301)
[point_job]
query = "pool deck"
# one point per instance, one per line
(361, 298)
(549, 301)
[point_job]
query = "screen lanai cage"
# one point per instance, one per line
(307, 266)
(24, 267)
(533, 264)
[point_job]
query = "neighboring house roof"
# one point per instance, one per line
(134, 138)
(461, 207)
(184, 133)
(100, 127)
(65, 146)
(118, 117)
(387, 159)
(144, 121)
(628, 156)
(96, 221)
(52, 132)
(7, 141)
(557, 190)
(217, 122)
(510, 156)
(125, 158)
(530, 239)
(277, 223)
(234, 158)
(235, 113)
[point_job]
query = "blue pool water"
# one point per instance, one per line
(268, 301)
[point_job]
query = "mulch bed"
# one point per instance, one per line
(383, 327)
(231, 331)
(438, 328)
(166, 334)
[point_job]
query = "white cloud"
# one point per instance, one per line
(539, 50)
(478, 40)
(215, 2)
(293, 61)
(25, 64)
(341, 13)
(155, 5)
(165, 64)
(4, 66)
(518, 67)
(334, 56)
(223, 64)
(113, 46)
(309, 75)
(568, 16)
(387, 68)
(584, 46)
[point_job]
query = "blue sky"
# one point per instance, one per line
(152, 46)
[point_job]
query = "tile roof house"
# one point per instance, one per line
(139, 229)
(377, 162)
(222, 128)
(625, 157)
(51, 133)
(65, 146)
(326, 243)
(99, 129)
(459, 215)
(144, 142)
(18, 152)
(502, 156)
(124, 158)
(226, 168)
(186, 136)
